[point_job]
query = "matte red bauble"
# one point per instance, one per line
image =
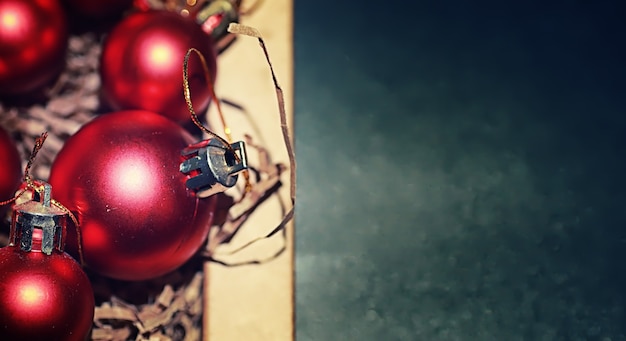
(10, 169)
(44, 293)
(142, 63)
(33, 42)
(120, 175)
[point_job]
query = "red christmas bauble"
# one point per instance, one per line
(120, 175)
(33, 42)
(142, 63)
(11, 169)
(43, 297)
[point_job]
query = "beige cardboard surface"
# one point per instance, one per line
(255, 302)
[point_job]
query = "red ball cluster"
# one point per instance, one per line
(119, 174)
(141, 62)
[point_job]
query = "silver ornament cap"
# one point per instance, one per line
(33, 215)
(213, 166)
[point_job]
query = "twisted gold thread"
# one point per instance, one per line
(194, 117)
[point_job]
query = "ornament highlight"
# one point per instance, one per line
(33, 42)
(44, 293)
(141, 64)
(120, 175)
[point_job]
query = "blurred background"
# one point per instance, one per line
(461, 170)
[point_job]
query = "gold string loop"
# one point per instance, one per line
(194, 116)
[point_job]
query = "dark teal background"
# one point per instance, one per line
(461, 170)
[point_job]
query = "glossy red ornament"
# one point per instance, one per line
(33, 43)
(142, 63)
(11, 169)
(120, 175)
(44, 293)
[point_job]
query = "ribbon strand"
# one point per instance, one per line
(252, 32)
